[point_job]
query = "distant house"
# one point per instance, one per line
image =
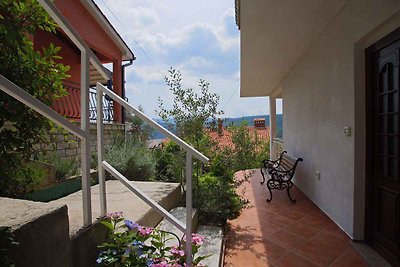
(223, 136)
(104, 41)
(335, 64)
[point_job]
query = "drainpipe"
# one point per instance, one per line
(123, 84)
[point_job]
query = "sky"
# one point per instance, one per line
(199, 38)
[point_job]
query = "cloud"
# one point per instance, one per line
(199, 38)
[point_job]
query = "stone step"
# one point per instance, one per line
(180, 214)
(212, 245)
(120, 198)
(213, 236)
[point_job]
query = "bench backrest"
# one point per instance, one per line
(289, 163)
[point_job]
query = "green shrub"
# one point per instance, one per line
(131, 157)
(63, 167)
(170, 163)
(25, 179)
(216, 200)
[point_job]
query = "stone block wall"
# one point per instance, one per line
(68, 146)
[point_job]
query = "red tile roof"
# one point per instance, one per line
(225, 140)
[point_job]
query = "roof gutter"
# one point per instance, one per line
(123, 84)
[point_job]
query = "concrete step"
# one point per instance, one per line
(120, 198)
(212, 245)
(180, 214)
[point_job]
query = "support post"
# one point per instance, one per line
(85, 142)
(189, 172)
(272, 126)
(100, 151)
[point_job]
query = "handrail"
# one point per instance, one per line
(143, 196)
(194, 152)
(21, 95)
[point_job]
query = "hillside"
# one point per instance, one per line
(236, 122)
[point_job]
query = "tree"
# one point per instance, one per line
(139, 128)
(37, 72)
(190, 111)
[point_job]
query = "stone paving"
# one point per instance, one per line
(281, 233)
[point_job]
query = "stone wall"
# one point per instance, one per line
(68, 146)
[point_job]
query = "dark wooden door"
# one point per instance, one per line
(383, 208)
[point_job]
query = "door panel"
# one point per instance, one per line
(383, 148)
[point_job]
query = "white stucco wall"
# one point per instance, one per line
(319, 101)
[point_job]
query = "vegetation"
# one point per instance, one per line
(215, 193)
(64, 168)
(190, 111)
(130, 156)
(37, 72)
(130, 244)
(138, 127)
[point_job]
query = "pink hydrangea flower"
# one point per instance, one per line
(145, 231)
(177, 252)
(115, 215)
(197, 240)
(163, 263)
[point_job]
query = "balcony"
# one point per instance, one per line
(69, 106)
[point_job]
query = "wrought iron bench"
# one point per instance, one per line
(281, 172)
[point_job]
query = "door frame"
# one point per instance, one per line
(369, 175)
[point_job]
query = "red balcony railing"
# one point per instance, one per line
(70, 105)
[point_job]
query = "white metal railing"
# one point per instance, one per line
(88, 56)
(104, 165)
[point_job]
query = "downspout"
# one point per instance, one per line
(123, 84)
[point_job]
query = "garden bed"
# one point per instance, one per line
(60, 189)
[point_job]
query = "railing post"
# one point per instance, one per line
(189, 172)
(100, 151)
(85, 142)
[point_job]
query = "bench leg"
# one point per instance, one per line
(270, 192)
(263, 176)
(290, 197)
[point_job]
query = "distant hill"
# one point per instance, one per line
(236, 122)
(250, 121)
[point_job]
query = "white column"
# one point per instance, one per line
(85, 143)
(272, 126)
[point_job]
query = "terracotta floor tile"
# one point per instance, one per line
(281, 233)
(292, 214)
(293, 260)
(336, 231)
(350, 259)
(286, 239)
(279, 220)
(319, 220)
(331, 242)
(316, 254)
(302, 230)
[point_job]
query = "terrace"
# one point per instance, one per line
(281, 233)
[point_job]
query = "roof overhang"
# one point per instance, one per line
(273, 37)
(101, 19)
